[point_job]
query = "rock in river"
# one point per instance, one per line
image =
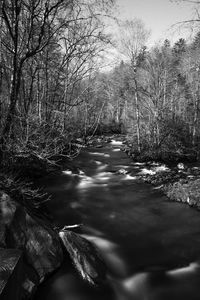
(42, 252)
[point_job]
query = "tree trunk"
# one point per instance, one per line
(16, 76)
(137, 115)
(15, 88)
(39, 108)
(195, 121)
(47, 113)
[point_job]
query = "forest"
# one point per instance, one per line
(53, 88)
(77, 80)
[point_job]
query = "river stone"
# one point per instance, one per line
(39, 243)
(11, 274)
(7, 210)
(85, 256)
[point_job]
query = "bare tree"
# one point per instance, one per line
(28, 28)
(132, 41)
(30, 31)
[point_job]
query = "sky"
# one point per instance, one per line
(159, 16)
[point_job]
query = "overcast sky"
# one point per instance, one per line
(158, 15)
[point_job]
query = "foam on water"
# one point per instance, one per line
(192, 268)
(161, 168)
(123, 167)
(81, 172)
(109, 251)
(145, 171)
(129, 177)
(103, 176)
(100, 154)
(138, 164)
(158, 187)
(102, 167)
(85, 182)
(100, 242)
(97, 153)
(116, 143)
(98, 162)
(67, 172)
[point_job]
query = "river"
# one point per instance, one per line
(150, 245)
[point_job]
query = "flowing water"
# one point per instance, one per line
(150, 245)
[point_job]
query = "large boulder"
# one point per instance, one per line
(40, 244)
(11, 274)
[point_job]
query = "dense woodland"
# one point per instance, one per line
(52, 89)
(57, 93)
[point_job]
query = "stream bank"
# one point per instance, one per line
(178, 177)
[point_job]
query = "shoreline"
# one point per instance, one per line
(178, 184)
